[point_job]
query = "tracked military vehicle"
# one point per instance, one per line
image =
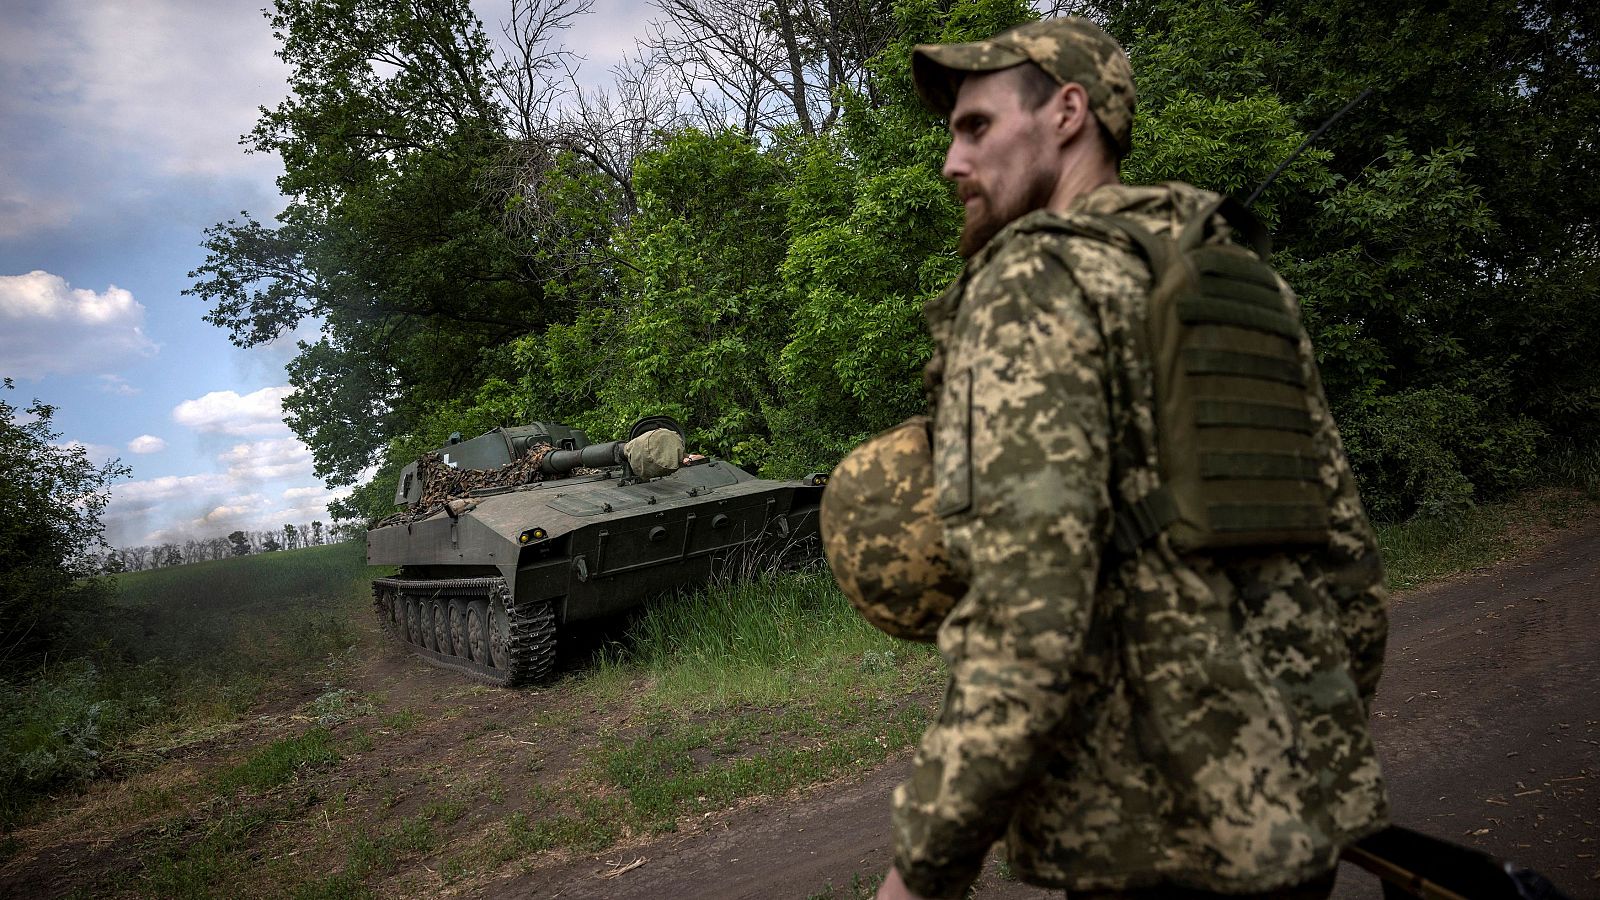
(506, 539)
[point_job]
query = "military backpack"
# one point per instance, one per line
(1239, 460)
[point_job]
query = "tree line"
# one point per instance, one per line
(111, 561)
(740, 228)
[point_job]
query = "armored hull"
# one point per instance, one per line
(488, 580)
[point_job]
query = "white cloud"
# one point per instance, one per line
(265, 460)
(97, 453)
(146, 494)
(147, 443)
(236, 509)
(310, 507)
(116, 384)
(225, 412)
(48, 327)
(260, 485)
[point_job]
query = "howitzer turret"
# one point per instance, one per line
(508, 537)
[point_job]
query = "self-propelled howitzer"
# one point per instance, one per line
(505, 539)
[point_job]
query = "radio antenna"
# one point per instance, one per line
(1256, 194)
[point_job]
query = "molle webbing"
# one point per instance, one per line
(1240, 466)
(1201, 361)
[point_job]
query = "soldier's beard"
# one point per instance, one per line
(985, 220)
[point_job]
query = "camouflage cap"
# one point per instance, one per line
(1069, 49)
(883, 540)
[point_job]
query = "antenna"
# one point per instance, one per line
(1256, 194)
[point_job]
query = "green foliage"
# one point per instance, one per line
(393, 150)
(768, 293)
(57, 730)
(1440, 236)
(51, 498)
(1432, 451)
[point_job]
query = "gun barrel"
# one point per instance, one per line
(594, 456)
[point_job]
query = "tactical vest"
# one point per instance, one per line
(1239, 461)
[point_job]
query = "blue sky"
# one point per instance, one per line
(119, 130)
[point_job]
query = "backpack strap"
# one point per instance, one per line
(1136, 523)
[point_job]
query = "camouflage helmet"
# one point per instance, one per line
(1070, 49)
(883, 540)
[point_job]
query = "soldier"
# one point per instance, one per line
(1135, 714)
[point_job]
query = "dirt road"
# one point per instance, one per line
(1488, 721)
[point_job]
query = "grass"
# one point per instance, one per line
(739, 690)
(774, 639)
(278, 762)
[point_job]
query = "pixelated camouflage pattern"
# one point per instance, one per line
(1123, 722)
(1070, 49)
(883, 541)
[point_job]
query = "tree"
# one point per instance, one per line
(240, 543)
(763, 65)
(394, 143)
(51, 499)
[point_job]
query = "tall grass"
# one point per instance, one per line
(769, 639)
(179, 650)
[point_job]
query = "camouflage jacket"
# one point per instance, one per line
(1122, 721)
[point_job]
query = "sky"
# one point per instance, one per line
(119, 145)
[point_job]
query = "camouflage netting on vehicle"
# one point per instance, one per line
(444, 484)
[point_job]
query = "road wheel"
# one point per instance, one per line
(499, 635)
(413, 621)
(456, 616)
(478, 631)
(441, 628)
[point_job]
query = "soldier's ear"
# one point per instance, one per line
(1069, 111)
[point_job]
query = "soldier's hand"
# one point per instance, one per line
(893, 888)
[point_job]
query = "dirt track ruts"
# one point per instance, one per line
(1487, 719)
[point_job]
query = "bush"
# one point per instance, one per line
(51, 497)
(59, 728)
(1435, 452)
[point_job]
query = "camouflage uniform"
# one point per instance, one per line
(1123, 722)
